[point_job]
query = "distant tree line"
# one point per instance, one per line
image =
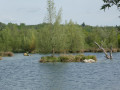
(68, 37)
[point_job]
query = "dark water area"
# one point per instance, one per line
(26, 73)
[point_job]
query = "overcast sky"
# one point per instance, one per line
(34, 11)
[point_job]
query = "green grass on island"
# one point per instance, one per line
(69, 58)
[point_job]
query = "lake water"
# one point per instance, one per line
(26, 73)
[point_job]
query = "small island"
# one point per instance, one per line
(6, 54)
(69, 58)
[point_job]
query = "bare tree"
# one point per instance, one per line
(106, 54)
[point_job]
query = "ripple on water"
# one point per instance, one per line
(26, 73)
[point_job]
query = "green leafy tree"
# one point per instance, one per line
(110, 3)
(51, 15)
(83, 24)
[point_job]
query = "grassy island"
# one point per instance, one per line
(69, 58)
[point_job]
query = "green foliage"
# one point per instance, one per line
(51, 12)
(79, 58)
(119, 41)
(110, 3)
(83, 24)
(66, 38)
(91, 57)
(49, 59)
(2, 26)
(67, 58)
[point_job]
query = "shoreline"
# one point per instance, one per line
(64, 52)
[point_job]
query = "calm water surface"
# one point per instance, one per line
(26, 73)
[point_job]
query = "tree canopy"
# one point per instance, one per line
(110, 3)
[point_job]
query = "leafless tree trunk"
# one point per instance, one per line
(106, 54)
(111, 52)
(53, 52)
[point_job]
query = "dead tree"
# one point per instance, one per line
(106, 54)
